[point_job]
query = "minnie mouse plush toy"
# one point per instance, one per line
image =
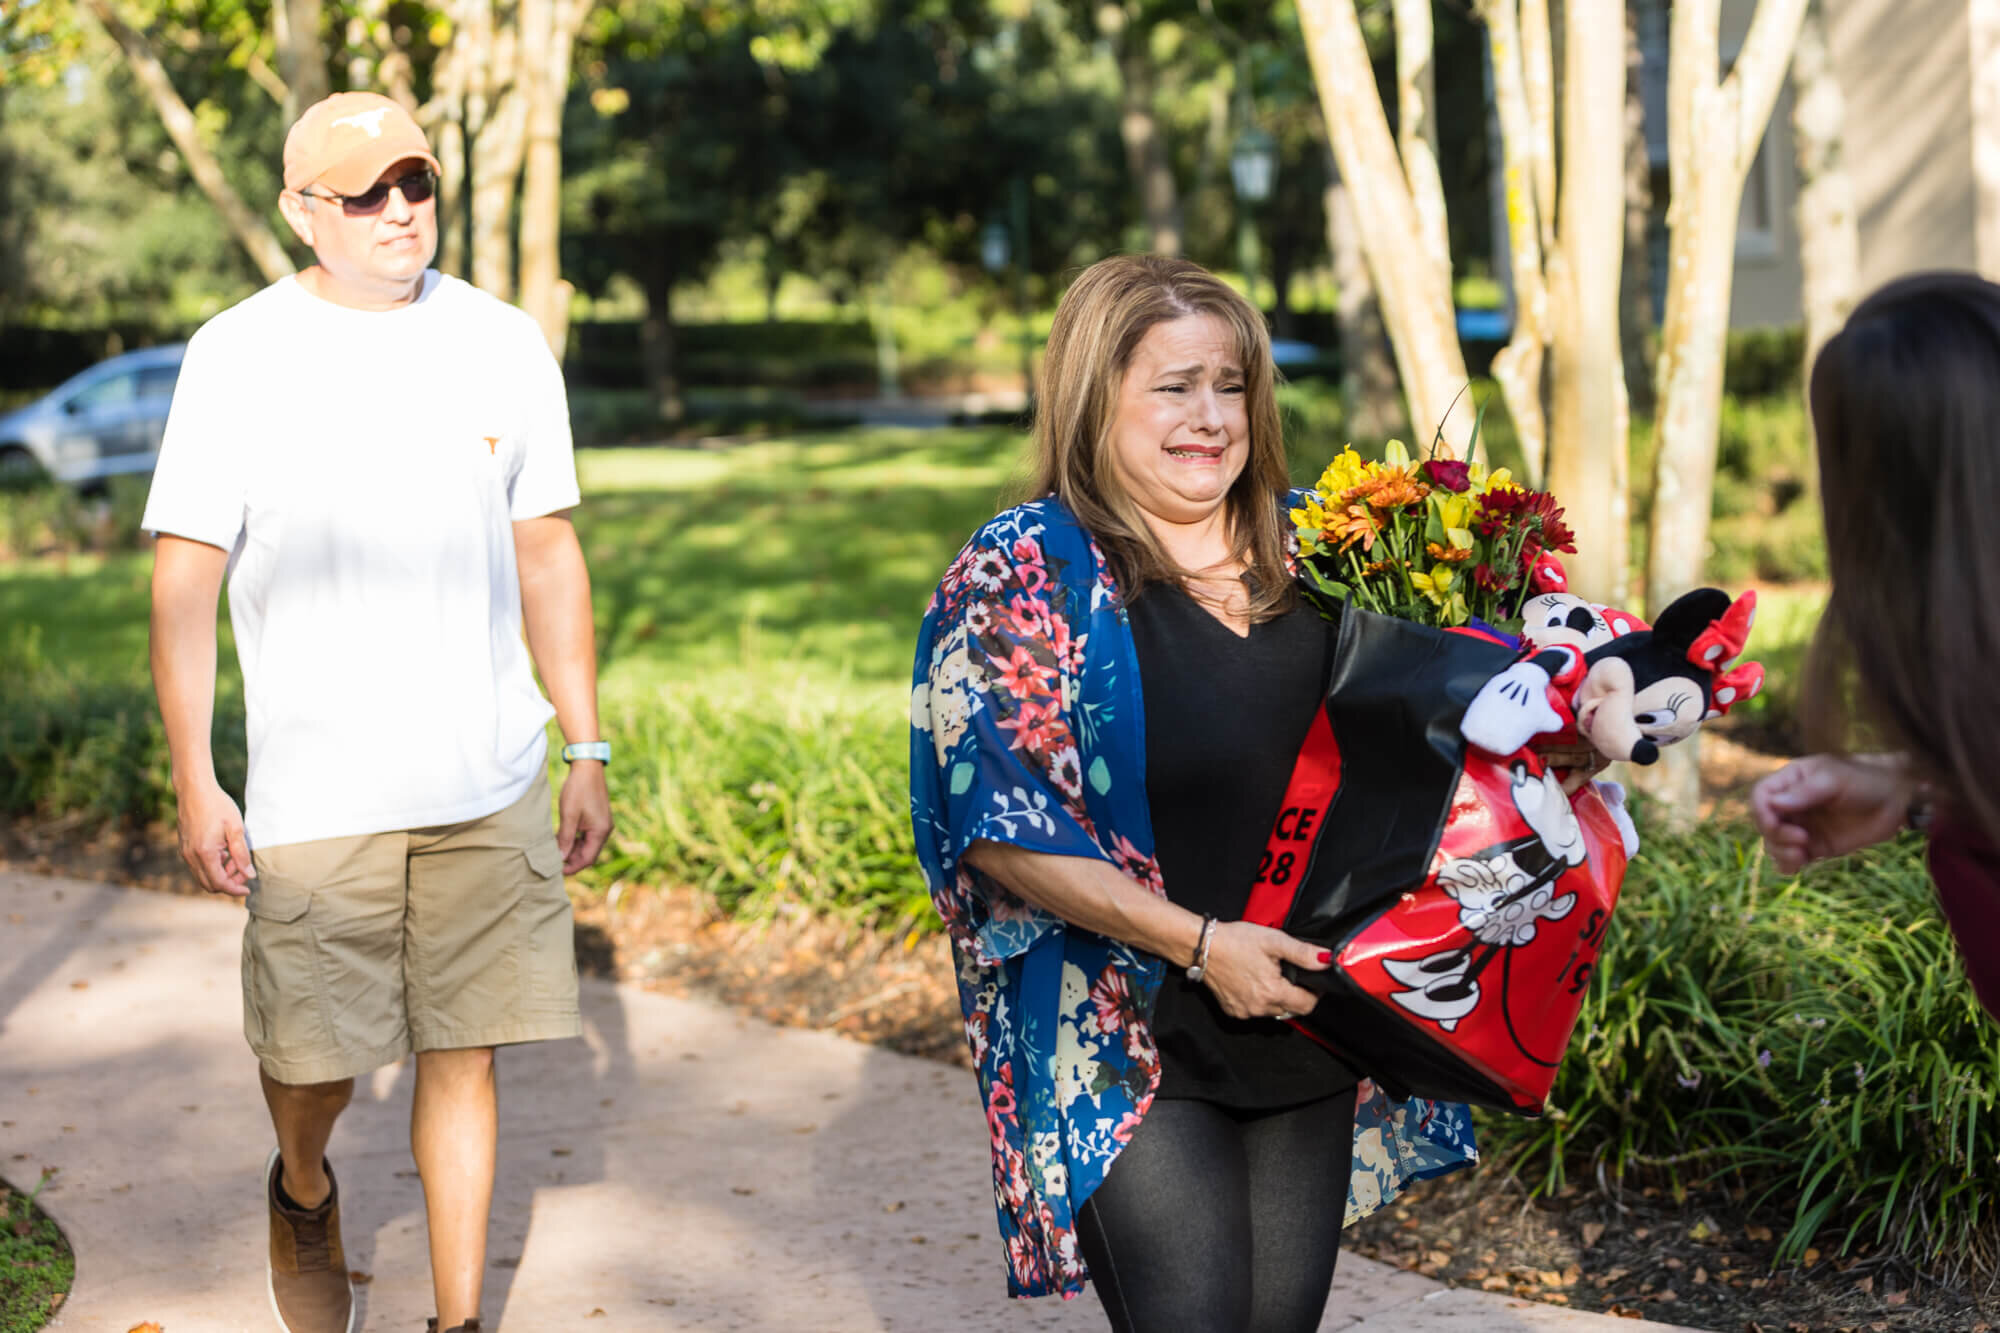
(1622, 686)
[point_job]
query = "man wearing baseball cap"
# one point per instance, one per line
(377, 457)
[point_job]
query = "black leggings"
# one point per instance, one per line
(1221, 1221)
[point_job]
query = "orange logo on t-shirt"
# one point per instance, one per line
(492, 444)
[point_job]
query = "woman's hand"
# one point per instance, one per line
(1244, 970)
(1579, 764)
(1829, 805)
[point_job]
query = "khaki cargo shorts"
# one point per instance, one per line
(358, 951)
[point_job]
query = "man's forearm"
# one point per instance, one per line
(562, 636)
(182, 651)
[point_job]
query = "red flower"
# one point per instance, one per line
(1486, 578)
(1554, 533)
(1448, 473)
(1035, 727)
(1023, 676)
(1028, 616)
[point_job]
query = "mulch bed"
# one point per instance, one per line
(1702, 1262)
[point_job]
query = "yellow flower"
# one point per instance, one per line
(1434, 585)
(1395, 454)
(1311, 516)
(1343, 474)
(1455, 513)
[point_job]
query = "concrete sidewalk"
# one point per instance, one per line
(682, 1167)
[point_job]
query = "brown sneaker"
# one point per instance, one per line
(469, 1326)
(309, 1288)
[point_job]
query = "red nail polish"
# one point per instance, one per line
(1325, 956)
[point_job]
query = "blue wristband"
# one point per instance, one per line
(598, 750)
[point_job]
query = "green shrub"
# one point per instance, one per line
(47, 518)
(624, 416)
(768, 795)
(1764, 363)
(87, 746)
(1813, 1040)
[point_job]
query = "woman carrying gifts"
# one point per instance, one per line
(1112, 684)
(1905, 401)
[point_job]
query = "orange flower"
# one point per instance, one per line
(1447, 555)
(1390, 492)
(1356, 524)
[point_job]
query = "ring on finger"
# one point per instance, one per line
(1284, 1016)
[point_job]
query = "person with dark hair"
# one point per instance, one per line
(1112, 683)
(1906, 408)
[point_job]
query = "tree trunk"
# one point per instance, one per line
(249, 228)
(1416, 304)
(1146, 157)
(295, 32)
(1983, 18)
(443, 119)
(1713, 129)
(1587, 398)
(548, 30)
(888, 358)
(1519, 366)
(658, 355)
(1416, 128)
(1635, 303)
(496, 175)
(374, 61)
(1829, 231)
(496, 140)
(1368, 387)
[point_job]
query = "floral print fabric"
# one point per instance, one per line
(1026, 729)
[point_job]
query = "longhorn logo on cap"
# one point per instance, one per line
(369, 121)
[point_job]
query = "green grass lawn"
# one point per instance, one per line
(36, 1265)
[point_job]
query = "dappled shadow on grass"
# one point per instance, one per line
(824, 550)
(85, 611)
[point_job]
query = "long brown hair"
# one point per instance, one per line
(1098, 326)
(1906, 407)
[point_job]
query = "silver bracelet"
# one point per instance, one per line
(1199, 968)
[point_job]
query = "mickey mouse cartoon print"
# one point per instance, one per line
(1502, 893)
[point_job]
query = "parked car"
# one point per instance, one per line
(102, 423)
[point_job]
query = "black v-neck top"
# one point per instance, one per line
(1225, 716)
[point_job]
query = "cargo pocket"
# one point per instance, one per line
(548, 937)
(280, 969)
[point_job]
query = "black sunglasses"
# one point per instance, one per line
(416, 187)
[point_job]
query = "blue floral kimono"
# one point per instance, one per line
(1027, 729)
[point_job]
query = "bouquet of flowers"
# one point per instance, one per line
(1463, 893)
(1441, 542)
(1463, 881)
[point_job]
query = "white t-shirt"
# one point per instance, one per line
(364, 470)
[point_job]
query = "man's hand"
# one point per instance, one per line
(212, 841)
(585, 815)
(1829, 805)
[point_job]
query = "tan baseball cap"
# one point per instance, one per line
(347, 140)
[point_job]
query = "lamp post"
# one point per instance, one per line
(996, 254)
(1253, 168)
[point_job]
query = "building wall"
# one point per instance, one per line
(1906, 73)
(1769, 279)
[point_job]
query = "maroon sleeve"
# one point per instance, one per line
(1965, 866)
